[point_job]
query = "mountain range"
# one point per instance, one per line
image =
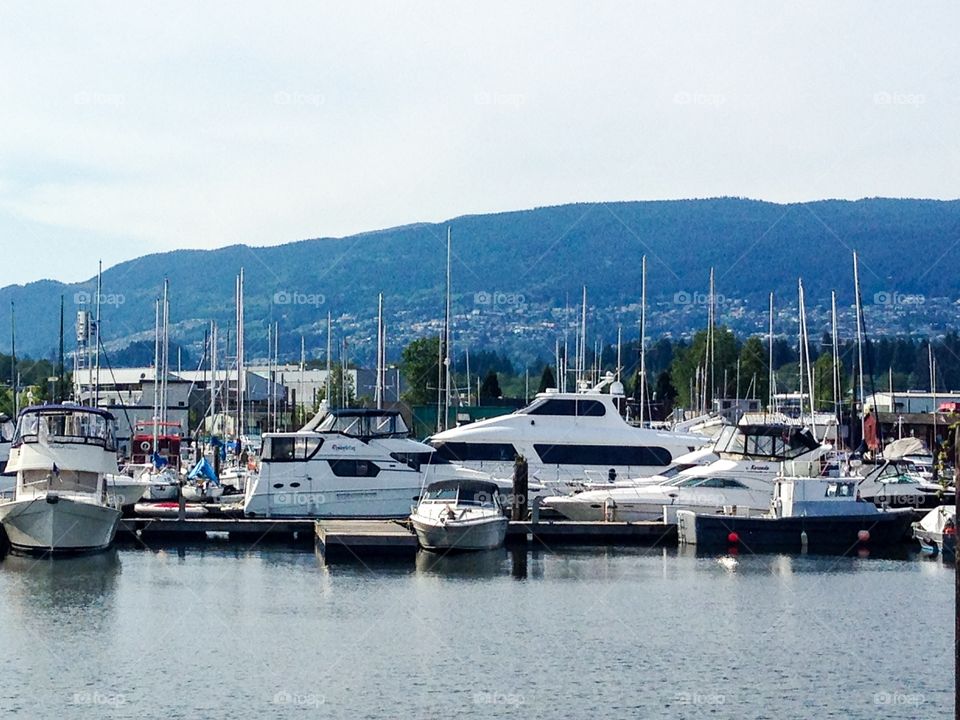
(518, 276)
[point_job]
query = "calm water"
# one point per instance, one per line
(218, 630)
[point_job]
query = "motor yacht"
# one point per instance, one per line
(747, 461)
(346, 463)
(567, 439)
(61, 455)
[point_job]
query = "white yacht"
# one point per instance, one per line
(346, 463)
(61, 455)
(747, 463)
(567, 439)
(460, 515)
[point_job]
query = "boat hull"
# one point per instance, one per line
(58, 524)
(817, 533)
(375, 504)
(486, 534)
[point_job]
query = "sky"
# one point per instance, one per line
(133, 128)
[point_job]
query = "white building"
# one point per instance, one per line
(910, 401)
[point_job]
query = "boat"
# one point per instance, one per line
(895, 484)
(346, 463)
(166, 509)
(61, 455)
(746, 462)
(567, 439)
(807, 512)
(460, 515)
(127, 491)
(937, 532)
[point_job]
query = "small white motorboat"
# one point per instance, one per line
(937, 532)
(125, 491)
(460, 515)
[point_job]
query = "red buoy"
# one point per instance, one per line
(863, 535)
(733, 538)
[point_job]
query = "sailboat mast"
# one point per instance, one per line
(643, 337)
(14, 377)
(96, 387)
(379, 390)
(836, 357)
(166, 349)
(859, 310)
(711, 340)
(771, 377)
(806, 352)
(156, 370)
(583, 337)
(329, 384)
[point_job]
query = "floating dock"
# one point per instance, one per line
(155, 529)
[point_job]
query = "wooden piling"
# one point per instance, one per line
(521, 489)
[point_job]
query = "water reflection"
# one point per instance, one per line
(33, 584)
(486, 564)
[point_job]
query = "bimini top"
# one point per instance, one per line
(60, 409)
(360, 423)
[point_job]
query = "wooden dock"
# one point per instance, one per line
(343, 539)
(172, 529)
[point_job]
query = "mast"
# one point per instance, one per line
(269, 376)
(583, 340)
(771, 379)
(303, 362)
(859, 310)
(60, 368)
(329, 384)
(805, 349)
(711, 340)
(380, 378)
(241, 362)
(836, 359)
(14, 377)
(166, 348)
(96, 387)
(643, 338)
(446, 341)
(156, 370)
(932, 362)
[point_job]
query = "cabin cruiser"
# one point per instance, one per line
(807, 511)
(567, 439)
(61, 455)
(460, 515)
(895, 483)
(346, 463)
(747, 462)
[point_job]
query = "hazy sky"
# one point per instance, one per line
(128, 128)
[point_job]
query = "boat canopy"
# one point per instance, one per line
(360, 423)
(777, 441)
(66, 424)
(463, 492)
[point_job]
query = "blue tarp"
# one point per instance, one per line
(203, 468)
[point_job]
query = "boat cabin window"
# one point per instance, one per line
(61, 480)
(290, 448)
(364, 424)
(895, 474)
(354, 468)
(844, 489)
(710, 482)
(567, 407)
(607, 455)
(417, 460)
(82, 427)
(770, 441)
(476, 452)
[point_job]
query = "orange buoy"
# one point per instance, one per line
(863, 535)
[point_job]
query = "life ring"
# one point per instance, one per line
(145, 446)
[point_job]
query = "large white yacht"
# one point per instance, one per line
(346, 463)
(747, 463)
(568, 440)
(61, 455)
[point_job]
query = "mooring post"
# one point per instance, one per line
(181, 503)
(520, 488)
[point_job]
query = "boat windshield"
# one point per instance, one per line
(896, 474)
(474, 496)
(66, 426)
(6, 430)
(364, 424)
